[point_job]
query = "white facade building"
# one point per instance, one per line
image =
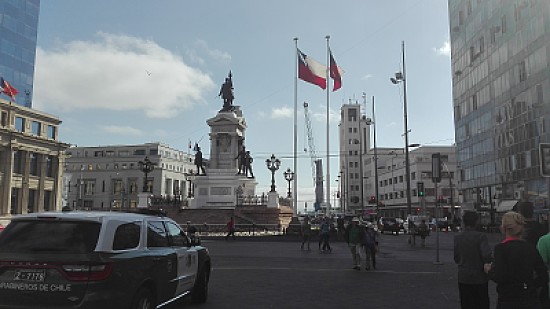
(106, 177)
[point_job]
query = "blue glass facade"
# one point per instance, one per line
(18, 32)
(500, 52)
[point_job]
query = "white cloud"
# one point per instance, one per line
(283, 112)
(121, 130)
(366, 76)
(444, 50)
(117, 72)
(202, 49)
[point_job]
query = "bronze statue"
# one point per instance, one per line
(241, 156)
(226, 92)
(198, 161)
(248, 167)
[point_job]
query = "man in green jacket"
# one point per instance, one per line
(355, 238)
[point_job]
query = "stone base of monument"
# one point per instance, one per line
(294, 227)
(144, 200)
(220, 189)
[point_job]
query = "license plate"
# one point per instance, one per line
(34, 275)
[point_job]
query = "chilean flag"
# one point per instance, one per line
(7, 89)
(311, 71)
(335, 74)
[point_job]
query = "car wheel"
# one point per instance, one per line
(143, 299)
(199, 294)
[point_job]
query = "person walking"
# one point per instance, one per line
(370, 244)
(306, 233)
(230, 228)
(471, 253)
(324, 236)
(355, 237)
(543, 246)
(423, 232)
(532, 230)
(517, 267)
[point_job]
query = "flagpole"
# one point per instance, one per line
(295, 162)
(327, 179)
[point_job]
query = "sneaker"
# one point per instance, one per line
(356, 267)
(367, 268)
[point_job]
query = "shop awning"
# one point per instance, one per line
(506, 205)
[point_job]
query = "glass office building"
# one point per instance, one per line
(501, 99)
(18, 32)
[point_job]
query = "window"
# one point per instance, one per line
(98, 153)
(127, 236)
(109, 153)
(124, 153)
(89, 188)
(522, 71)
(33, 157)
(4, 119)
(36, 127)
(156, 235)
(176, 236)
(49, 166)
(20, 124)
(139, 152)
(51, 132)
(17, 161)
(352, 114)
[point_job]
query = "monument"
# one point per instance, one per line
(229, 171)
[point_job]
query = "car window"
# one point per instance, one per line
(50, 236)
(127, 236)
(156, 234)
(177, 237)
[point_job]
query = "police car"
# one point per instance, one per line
(99, 260)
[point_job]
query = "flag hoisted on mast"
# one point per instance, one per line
(311, 71)
(7, 89)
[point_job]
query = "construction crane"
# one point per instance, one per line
(316, 164)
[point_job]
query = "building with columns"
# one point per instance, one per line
(109, 177)
(31, 160)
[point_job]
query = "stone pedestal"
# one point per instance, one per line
(272, 200)
(221, 186)
(144, 200)
(294, 227)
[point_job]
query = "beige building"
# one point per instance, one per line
(31, 160)
(109, 177)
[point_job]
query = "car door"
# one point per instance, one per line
(187, 257)
(164, 259)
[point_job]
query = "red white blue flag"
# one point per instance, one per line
(311, 71)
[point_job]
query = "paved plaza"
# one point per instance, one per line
(273, 272)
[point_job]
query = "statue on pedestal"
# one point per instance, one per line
(226, 92)
(198, 161)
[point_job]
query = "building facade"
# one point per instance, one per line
(31, 160)
(501, 98)
(18, 33)
(354, 138)
(372, 179)
(107, 177)
(438, 199)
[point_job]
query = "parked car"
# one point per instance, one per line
(388, 224)
(416, 220)
(441, 223)
(99, 260)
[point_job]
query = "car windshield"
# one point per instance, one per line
(36, 236)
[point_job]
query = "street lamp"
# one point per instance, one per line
(289, 176)
(273, 165)
(400, 77)
(146, 166)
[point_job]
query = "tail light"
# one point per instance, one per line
(85, 272)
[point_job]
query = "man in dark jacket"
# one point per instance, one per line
(355, 236)
(471, 253)
(532, 230)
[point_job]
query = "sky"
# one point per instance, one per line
(132, 72)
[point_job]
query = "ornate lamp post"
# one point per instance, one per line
(273, 165)
(289, 176)
(146, 166)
